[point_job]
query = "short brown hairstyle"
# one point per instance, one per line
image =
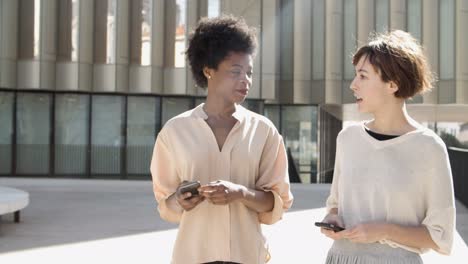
(213, 40)
(398, 57)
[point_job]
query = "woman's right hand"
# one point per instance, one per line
(332, 218)
(186, 201)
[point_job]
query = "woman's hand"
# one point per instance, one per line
(333, 218)
(186, 200)
(366, 233)
(222, 192)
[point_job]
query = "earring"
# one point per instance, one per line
(209, 76)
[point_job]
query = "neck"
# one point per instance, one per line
(393, 120)
(217, 107)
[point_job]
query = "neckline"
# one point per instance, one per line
(384, 143)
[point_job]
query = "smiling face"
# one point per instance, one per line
(233, 78)
(371, 93)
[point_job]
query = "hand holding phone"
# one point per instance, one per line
(191, 187)
(329, 226)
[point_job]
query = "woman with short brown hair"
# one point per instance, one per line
(392, 185)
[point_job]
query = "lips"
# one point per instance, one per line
(243, 91)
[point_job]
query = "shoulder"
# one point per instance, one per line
(178, 121)
(350, 131)
(431, 141)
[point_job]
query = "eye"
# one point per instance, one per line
(235, 72)
(362, 76)
(250, 73)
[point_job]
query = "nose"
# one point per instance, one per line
(352, 86)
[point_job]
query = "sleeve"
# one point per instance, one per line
(274, 177)
(440, 213)
(332, 200)
(165, 179)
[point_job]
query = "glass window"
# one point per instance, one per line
(146, 25)
(350, 31)
(71, 133)
(33, 133)
(142, 122)
(68, 23)
(254, 106)
(106, 134)
(447, 39)
(299, 130)
(111, 32)
(180, 32)
(272, 112)
(6, 133)
(413, 19)
(37, 27)
(381, 15)
(213, 8)
(318, 38)
(173, 106)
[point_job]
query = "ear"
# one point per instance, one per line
(392, 87)
(208, 72)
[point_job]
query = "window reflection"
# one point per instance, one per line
(111, 32)
(299, 130)
(142, 122)
(33, 133)
(6, 133)
(37, 27)
(146, 22)
(106, 130)
(454, 134)
(74, 29)
(180, 32)
(71, 133)
(174, 106)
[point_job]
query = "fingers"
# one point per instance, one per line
(188, 202)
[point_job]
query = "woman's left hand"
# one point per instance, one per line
(366, 233)
(222, 192)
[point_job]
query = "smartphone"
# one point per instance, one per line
(329, 226)
(191, 187)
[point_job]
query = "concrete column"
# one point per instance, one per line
(270, 52)
(461, 52)
(75, 73)
(286, 88)
(334, 52)
(8, 43)
(111, 48)
(302, 51)
(157, 47)
(251, 12)
(430, 40)
(36, 67)
(193, 14)
(398, 14)
(175, 78)
(366, 20)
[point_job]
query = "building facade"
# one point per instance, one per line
(85, 85)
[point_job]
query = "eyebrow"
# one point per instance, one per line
(362, 70)
(238, 65)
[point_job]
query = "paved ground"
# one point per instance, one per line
(107, 221)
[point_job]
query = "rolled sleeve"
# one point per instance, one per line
(165, 179)
(274, 177)
(440, 213)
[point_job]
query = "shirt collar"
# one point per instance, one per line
(238, 114)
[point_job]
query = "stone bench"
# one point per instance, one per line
(12, 201)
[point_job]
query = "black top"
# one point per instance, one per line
(380, 137)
